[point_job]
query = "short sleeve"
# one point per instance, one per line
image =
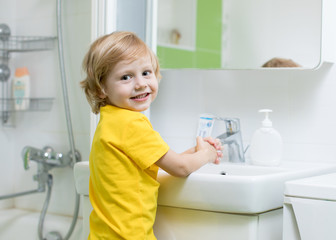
(142, 143)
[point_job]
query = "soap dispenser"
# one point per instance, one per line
(266, 143)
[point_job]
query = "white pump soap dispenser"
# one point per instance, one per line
(266, 144)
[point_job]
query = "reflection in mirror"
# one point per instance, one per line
(238, 34)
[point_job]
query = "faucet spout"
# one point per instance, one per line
(233, 139)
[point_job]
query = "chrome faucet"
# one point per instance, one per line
(232, 137)
(46, 157)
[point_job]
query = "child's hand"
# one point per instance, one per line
(216, 143)
(208, 144)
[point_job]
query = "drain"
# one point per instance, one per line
(54, 236)
(222, 173)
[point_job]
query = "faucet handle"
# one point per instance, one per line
(25, 158)
(232, 125)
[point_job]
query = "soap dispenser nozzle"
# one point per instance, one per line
(266, 122)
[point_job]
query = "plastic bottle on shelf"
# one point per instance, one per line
(21, 89)
(266, 144)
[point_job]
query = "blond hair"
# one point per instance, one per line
(280, 62)
(103, 55)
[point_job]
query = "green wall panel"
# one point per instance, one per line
(207, 53)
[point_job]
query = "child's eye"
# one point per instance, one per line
(126, 77)
(146, 73)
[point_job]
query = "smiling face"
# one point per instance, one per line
(131, 84)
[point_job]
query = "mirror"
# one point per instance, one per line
(238, 34)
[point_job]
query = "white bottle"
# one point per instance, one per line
(21, 89)
(266, 144)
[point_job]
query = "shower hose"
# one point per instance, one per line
(74, 155)
(56, 235)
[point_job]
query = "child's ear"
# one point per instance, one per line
(102, 94)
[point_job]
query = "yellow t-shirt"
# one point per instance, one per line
(123, 188)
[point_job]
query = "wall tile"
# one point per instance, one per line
(39, 129)
(302, 101)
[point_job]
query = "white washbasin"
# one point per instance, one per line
(82, 177)
(235, 188)
(244, 189)
(239, 170)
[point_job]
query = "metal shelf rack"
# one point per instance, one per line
(26, 44)
(33, 104)
(9, 44)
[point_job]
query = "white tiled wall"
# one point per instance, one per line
(38, 129)
(303, 102)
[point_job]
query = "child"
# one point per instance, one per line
(280, 62)
(121, 82)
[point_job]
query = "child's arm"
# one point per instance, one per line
(181, 165)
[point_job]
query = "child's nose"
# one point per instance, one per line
(140, 82)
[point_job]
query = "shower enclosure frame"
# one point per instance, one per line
(104, 21)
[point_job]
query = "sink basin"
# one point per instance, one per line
(235, 188)
(239, 170)
(227, 187)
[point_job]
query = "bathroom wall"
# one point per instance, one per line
(302, 101)
(39, 129)
(207, 52)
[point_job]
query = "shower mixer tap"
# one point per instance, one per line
(47, 157)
